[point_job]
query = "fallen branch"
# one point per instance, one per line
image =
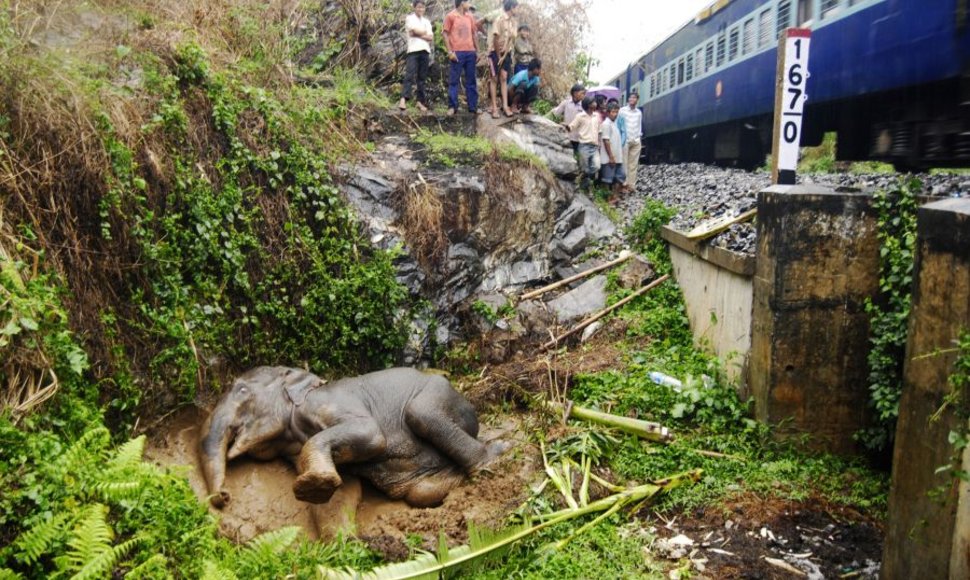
(643, 429)
(624, 256)
(448, 560)
(605, 311)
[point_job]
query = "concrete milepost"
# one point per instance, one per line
(790, 97)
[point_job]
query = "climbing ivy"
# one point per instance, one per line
(959, 382)
(889, 311)
(248, 254)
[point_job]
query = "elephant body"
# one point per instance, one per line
(409, 433)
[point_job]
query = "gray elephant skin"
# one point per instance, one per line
(407, 432)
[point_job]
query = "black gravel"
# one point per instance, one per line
(702, 192)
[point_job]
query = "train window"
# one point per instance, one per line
(784, 17)
(733, 45)
(747, 42)
(764, 28)
(721, 48)
(709, 57)
(699, 59)
(673, 75)
(680, 72)
(829, 6)
(805, 11)
(690, 67)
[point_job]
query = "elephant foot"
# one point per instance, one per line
(316, 487)
(493, 450)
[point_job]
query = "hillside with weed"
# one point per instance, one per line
(170, 215)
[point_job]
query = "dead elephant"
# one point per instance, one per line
(409, 433)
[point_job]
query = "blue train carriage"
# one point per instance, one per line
(891, 77)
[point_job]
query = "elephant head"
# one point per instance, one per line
(252, 418)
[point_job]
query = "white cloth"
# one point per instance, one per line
(420, 25)
(609, 130)
(634, 123)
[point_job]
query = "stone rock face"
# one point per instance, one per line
(501, 229)
(534, 134)
(576, 304)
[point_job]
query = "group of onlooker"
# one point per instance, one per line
(514, 71)
(605, 137)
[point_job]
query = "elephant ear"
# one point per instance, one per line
(298, 384)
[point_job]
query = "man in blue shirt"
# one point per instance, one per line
(524, 87)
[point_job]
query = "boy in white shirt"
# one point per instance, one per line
(611, 151)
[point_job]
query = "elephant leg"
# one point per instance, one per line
(445, 419)
(352, 440)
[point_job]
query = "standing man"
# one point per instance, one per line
(459, 33)
(631, 151)
(420, 38)
(501, 41)
(524, 54)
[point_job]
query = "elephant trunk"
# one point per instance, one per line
(217, 432)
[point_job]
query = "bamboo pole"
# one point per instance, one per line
(638, 427)
(624, 256)
(605, 311)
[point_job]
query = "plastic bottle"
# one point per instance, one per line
(666, 380)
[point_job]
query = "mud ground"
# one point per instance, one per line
(262, 497)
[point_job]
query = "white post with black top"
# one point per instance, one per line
(790, 98)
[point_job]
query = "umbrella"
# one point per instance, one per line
(608, 91)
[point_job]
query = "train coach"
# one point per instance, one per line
(891, 77)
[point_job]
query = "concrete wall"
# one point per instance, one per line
(817, 262)
(718, 292)
(928, 533)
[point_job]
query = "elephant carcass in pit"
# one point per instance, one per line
(409, 433)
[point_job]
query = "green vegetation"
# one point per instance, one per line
(452, 150)
(819, 159)
(889, 312)
(714, 433)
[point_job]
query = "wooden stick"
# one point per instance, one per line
(605, 311)
(624, 256)
(718, 225)
(638, 427)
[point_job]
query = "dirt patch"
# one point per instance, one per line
(527, 374)
(262, 497)
(737, 539)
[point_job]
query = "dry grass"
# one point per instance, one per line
(422, 223)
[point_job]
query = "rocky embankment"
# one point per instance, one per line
(479, 230)
(701, 192)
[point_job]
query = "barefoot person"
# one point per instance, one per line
(501, 41)
(524, 87)
(420, 39)
(459, 33)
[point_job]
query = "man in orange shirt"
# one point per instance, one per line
(459, 34)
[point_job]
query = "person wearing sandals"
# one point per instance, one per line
(501, 41)
(459, 32)
(420, 39)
